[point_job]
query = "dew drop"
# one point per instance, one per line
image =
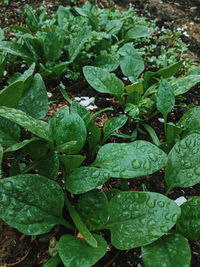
(151, 203)
(190, 175)
(5, 201)
(151, 222)
(146, 165)
(164, 229)
(7, 185)
(195, 150)
(161, 204)
(174, 218)
(183, 144)
(95, 174)
(152, 157)
(197, 171)
(136, 164)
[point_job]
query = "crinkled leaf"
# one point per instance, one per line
(69, 127)
(48, 165)
(103, 81)
(71, 162)
(9, 132)
(170, 250)
(184, 84)
(75, 252)
(183, 163)
(138, 31)
(37, 127)
(31, 203)
(35, 100)
(165, 100)
(131, 63)
(130, 160)
(189, 222)
(11, 95)
(93, 209)
(113, 125)
(85, 179)
(139, 218)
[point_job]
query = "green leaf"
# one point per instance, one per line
(165, 100)
(170, 250)
(113, 125)
(69, 127)
(85, 179)
(71, 162)
(184, 84)
(130, 160)
(131, 63)
(183, 163)
(190, 122)
(138, 32)
(35, 100)
(107, 62)
(48, 165)
(20, 145)
(78, 253)
(11, 95)
(135, 87)
(37, 149)
(31, 203)
(93, 209)
(114, 26)
(53, 262)
(139, 218)
(37, 127)
(9, 132)
(189, 221)
(1, 158)
(28, 73)
(53, 45)
(103, 81)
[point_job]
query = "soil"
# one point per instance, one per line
(19, 250)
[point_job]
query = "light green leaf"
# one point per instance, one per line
(11, 95)
(138, 31)
(78, 253)
(85, 179)
(139, 218)
(107, 62)
(103, 81)
(53, 45)
(130, 160)
(184, 84)
(37, 127)
(189, 221)
(183, 163)
(31, 203)
(114, 26)
(170, 250)
(27, 73)
(113, 125)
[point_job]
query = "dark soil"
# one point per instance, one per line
(19, 250)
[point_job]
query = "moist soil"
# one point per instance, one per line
(19, 250)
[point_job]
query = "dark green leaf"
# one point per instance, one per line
(184, 84)
(37, 149)
(107, 62)
(114, 26)
(1, 158)
(9, 132)
(53, 262)
(53, 44)
(11, 95)
(48, 165)
(139, 218)
(71, 162)
(20, 145)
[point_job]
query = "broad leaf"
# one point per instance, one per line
(184, 84)
(139, 218)
(170, 250)
(48, 165)
(114, 26)
(138, 31)
(189, 221)
(11, 95)
(103, 81)
(9, 132)
(20, 145)
(113, 125)
(85, 179)
(130, 160)
(74, 252)
(53, 44)
(71, 162)
(93, 208)
(31, 203)
(37, 127)
(107, 62)
(183, 163)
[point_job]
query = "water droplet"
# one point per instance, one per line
(116, 168)
(195, 150)
(183, 144)
(5, 201)
(151, 222)
(189, 175)
(164, 229)
(95, 174)
(161, 204)
(7, 185)
(197, 171)
(177, 148)
(152, 157)
(151, 203)
(146, 165)
(188, 164)
(136, 164)
(174, 218)
(182, 162)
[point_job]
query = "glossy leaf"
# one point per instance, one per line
(130, 160)
(71, 162)
(131, 63)
(170, 250)
(184, 84)
(85, 179)
(139, 218)
(48, 165)
(9, 132)
(11, 95)
(183, 163)
(37, 127)
(165, 98)
(189, 222)
(74, 252)
(93, 209)
(31, 203)
(103, 81)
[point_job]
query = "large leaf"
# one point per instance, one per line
(103, 81)
(53, 44)
(48, 165)
(107, 62)
(85, 179)
(69, 127)
(139, 218)
(20, 145)
(131, 63)
(138, 31)
(37, 127)
(170, 250)
(11, 95)
(189, 221)
(183, 163)
(71, 162)
(130, 160)
(75, 252)
(35, 100)
(184, 84)
(9, 132)
(93, 208)
(31, 203)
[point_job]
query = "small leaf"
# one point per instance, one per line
(37, 127)
(85, 179)
(166, 251)
(139, 218)
(31, 203)
(114, 26)
(74, 252)
(183, 163)
(103, 81)
(165, 98)
(93, 209)
(189, 221)
(53, 262)
(138, 31)
(130, 160)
